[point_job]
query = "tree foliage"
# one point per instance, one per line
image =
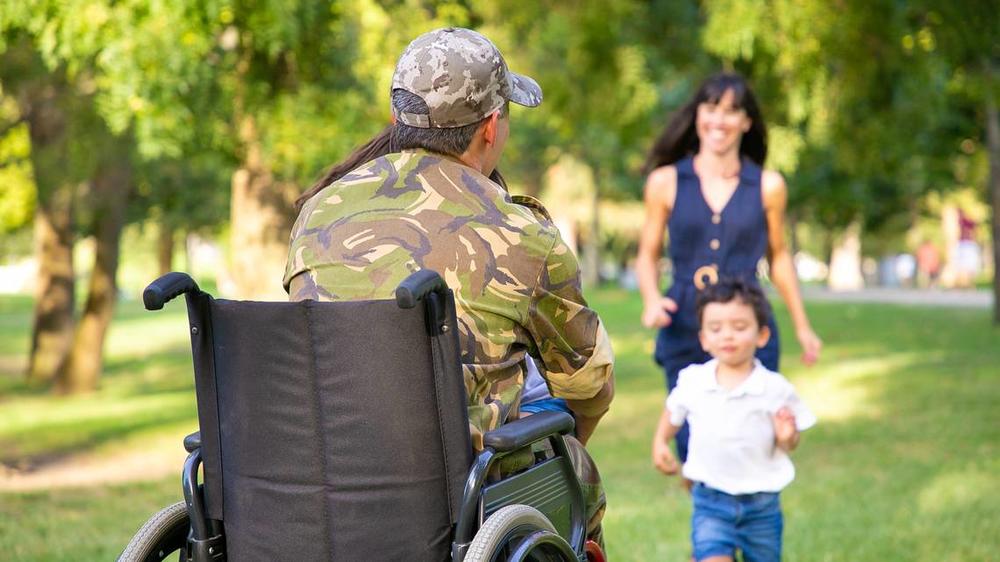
(232, 107)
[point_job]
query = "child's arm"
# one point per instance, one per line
(663, 458)
(786, 435)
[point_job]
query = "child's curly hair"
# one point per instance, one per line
(730, 288)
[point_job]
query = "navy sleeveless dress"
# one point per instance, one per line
(705, 245)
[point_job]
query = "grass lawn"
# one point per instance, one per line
(904, 464)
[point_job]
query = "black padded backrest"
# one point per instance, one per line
(342, 430)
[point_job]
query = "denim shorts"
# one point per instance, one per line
(722, 523)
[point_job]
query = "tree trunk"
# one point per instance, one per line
(112, 185)
(261, 216)
(993, 145)
(165, 249)
(52, 326)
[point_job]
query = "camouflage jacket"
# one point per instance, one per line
(516, 283)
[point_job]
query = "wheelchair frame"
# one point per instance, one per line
(551, 480)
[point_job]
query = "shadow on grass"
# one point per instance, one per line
(32, 443)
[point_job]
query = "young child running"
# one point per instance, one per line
(744, 420)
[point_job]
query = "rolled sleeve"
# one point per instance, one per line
(677, 400)
(573, 347)
(804, 417)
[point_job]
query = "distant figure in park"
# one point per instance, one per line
(744, 421)
(724, 213)
(967, 254)
(906, 269)
(928, 265)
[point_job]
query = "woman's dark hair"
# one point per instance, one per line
(380, 145)
(376, 147)
(679, 138)
(729, 289)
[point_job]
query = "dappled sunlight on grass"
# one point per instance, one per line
(955, 491)
(43, 426)
(850, 387)
(147, 385)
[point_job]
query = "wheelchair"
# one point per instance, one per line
(339, 431)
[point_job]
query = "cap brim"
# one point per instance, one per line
(524, 90)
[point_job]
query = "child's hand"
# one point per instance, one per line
(786, 436)
(663, 458)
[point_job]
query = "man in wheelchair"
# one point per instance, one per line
(432, 206)
(378, 233)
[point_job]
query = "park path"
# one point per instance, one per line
(165, 456)
(966, 298)
(155, 459)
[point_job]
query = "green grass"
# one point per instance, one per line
(904, 464)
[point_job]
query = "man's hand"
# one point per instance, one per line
(656, 313)
(786, 436)
(663, 458)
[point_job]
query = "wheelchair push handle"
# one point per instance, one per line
(417, 286)
(164, 289)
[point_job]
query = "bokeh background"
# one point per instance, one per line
(143, 136)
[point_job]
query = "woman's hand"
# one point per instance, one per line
(663, 458)
(811, 345)
(656, 312)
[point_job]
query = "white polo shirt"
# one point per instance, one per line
(732, 436)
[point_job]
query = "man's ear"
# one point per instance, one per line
(490, 128)
(393, 118)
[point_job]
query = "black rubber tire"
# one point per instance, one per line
(500, 528)
(164, 534)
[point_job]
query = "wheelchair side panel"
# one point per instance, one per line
(543, 487)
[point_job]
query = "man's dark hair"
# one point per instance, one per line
(729, 289)
(450, 141)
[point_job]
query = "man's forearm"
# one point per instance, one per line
(597, 405)
(590, 411)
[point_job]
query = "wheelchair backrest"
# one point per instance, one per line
(330, 430)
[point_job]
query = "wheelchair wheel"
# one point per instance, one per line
(164, 534)
(500, 538)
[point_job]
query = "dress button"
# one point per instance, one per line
(714, 244)
(716, 218)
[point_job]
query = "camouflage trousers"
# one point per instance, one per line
(594, 499)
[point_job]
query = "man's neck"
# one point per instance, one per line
(471, 160)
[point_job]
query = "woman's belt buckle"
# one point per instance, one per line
(706, 275)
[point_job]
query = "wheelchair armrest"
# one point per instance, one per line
(192, 442)
(527, 430)
(164, 289)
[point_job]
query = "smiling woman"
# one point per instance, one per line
(724, 212)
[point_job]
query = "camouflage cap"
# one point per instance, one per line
(461, 76)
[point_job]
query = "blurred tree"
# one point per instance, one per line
(605, 68)
(47, 65)
(963, 38)
(856, 98)
(108, 195)
(291, 87)
(49, 106)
